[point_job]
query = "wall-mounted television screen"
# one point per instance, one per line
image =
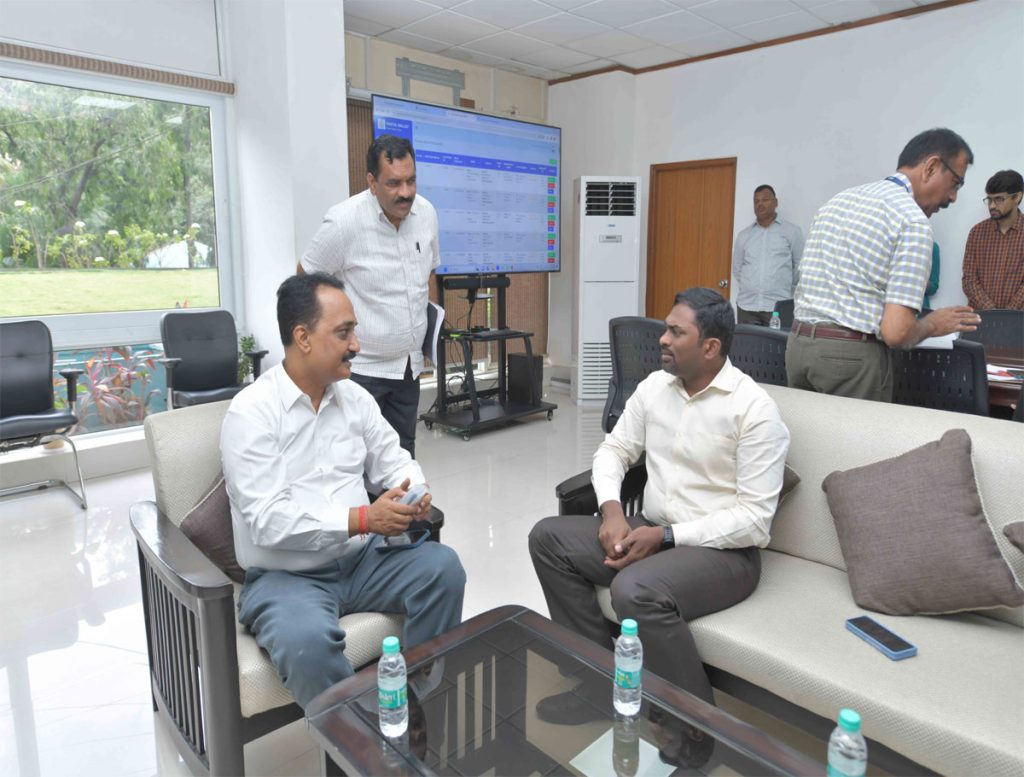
(494, 182)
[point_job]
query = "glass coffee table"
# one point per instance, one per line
(473, 693)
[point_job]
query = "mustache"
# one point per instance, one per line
(403, 200)
(349, 356)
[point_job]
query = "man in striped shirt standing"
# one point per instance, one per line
(383, 244)
(864, 272)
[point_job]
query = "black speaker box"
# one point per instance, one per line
(521, 374)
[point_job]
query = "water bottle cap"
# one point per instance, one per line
(775, 313)
(849, 720)
(629, 627)
(390, 645)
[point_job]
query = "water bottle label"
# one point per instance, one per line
(392, 700)
(834, 772)
(625, 679)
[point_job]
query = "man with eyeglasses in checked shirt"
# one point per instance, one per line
(864, 273)
(994, 255)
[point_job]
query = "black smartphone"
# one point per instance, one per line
(878, 636)
(404, 541)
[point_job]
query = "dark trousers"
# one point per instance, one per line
(399, 402)
(759, 317)
(661, 593)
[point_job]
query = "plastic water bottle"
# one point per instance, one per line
(775, 322)
(847, 750)
(392, 693)
(629, 663)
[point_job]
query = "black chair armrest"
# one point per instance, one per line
(576, 494)
(71, 376)
(169, 362)
(257, 358)
(170, 553)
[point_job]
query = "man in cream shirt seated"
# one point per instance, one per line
(716, 449)
(296, 446)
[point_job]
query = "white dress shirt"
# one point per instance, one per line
(385, 272)
(293, 473)
(766, 261)
(714, 460)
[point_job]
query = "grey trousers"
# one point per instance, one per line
(294, 615)
(844, 368)
(661, 592)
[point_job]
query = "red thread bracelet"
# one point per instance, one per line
(364, 519)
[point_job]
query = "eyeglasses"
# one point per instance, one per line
(958, 180)
(999, 199)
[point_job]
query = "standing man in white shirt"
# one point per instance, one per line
(297, 447)
(383, 244)
(716, 450)
(765, 260)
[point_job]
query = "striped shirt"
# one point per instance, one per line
(994, 266)
(868, 246)
(386, 272)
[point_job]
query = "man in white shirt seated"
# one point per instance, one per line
(716, 449)
(296, 446)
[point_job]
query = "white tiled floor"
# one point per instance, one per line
(74, 692)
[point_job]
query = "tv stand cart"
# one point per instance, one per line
(489, 407)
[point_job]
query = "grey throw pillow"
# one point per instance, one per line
(789, 482)
(914, 534)
(1015, 533)
(208, 525)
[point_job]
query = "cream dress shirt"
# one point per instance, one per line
(386, 273)
(714, 460)
(293, 473)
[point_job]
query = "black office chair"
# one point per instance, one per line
(635, 355)
(760, 352)
(1018, 411)
(784, 307)
(1001, 330)
(201, 357)
(27, 413)
(943, 379)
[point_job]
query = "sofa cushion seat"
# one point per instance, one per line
(260, 687)
(946, 708)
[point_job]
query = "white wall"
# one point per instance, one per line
(166, 34)
(814, 117)
(287, 60)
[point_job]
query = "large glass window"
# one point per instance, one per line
(112, 210)
(107, 202)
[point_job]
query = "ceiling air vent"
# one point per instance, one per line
(605, 198)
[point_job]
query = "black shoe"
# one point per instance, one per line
(567, 709)
(688, 747)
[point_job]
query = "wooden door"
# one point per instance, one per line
(689, 233)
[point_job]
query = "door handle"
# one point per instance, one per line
(723, 283)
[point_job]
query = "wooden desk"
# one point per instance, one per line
(1004, 393)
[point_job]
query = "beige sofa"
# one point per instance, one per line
(955, 708)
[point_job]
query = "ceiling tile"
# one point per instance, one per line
(733, 13)
(538, 72)
(781, 26)
(562, 28)
(608, 44)
(617, 13)
(364, 26)
(854, 10)
(586, 67)
(477, 57)
(394, 13)
(669, 30)
(691, 3)
(505, 14)
(812, 3)
(507, 44)
(417, 42)
(555, 57)
(713, 42)
(656, 55)
(567, 5)
(453, 3)
(451, 27)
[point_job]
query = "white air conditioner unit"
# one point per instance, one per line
(608, 274)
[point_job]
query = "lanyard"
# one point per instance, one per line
(898, 182)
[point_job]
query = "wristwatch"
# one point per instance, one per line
(670, 539)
